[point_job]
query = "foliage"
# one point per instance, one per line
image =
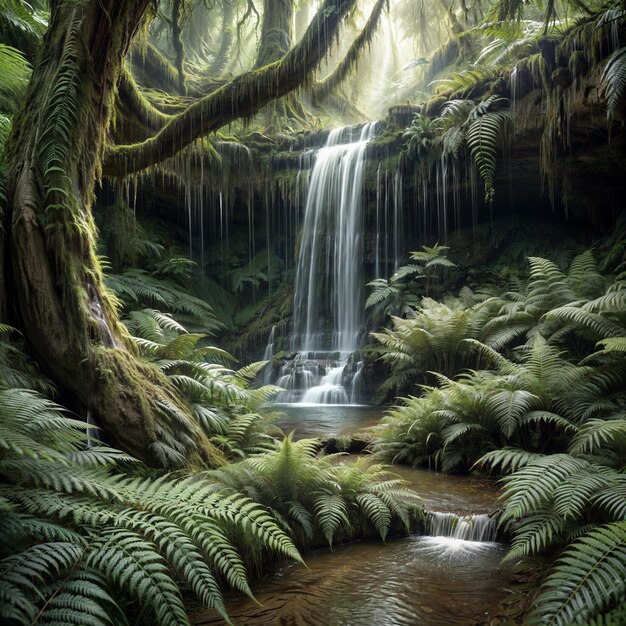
(320, 501)
(136, 288)
(483, 134)
(433, 339)
(86, 542)
(479, 126)
(538, 400)
(16, 371)
(15, 72)
(400, 294)
(588, 583)
(565, 500)
(614, 79)
(222, 400)
(254, 273)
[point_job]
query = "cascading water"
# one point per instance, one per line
(328, 303)
(479, 528)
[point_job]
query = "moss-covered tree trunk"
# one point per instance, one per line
(276, 31)
(48, 257)
(56, 283)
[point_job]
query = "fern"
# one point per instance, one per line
(97, 529)
(331, 514)
(590, 578)
(507, 459)
(614, 80)
(15, 72)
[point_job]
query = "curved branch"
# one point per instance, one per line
(240, 24)
(152, 69)
(321, 89)
(240, 98)
(137, 113)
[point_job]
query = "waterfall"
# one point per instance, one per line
(482, 528)
(328, 274)
(328, 300)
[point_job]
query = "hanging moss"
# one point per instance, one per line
(152, 69)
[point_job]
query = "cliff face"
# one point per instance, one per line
(558, 160)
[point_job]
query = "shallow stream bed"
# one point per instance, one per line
(413, 581)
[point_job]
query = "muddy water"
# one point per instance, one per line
(415, 581)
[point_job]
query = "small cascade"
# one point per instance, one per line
(268, 355)
(481, 528)
(92, 430)
(330, 390)
(320, 378)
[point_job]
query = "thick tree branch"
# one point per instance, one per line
(321, 89)
(240, 98)
(136, 119)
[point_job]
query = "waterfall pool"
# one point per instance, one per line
(325, 420)
(417, 581)
(413, 581)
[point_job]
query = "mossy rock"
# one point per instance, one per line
(352, 444)
(434, 106)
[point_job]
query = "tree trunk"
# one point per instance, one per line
(221, 56)
(60, 301)
(276, 31)
(48, 256)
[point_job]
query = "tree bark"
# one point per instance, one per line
(61, 304)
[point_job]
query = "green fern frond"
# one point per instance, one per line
(507, 460)
(595, 434)
(331, 514)
(614, 80)
(123, 556)
(529, 488)
(376, 511)
(483, 136)
(589, 579)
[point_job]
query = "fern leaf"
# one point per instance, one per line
(588, 578)
(331, 514)
(614, 79)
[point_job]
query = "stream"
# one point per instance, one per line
(413, 581)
